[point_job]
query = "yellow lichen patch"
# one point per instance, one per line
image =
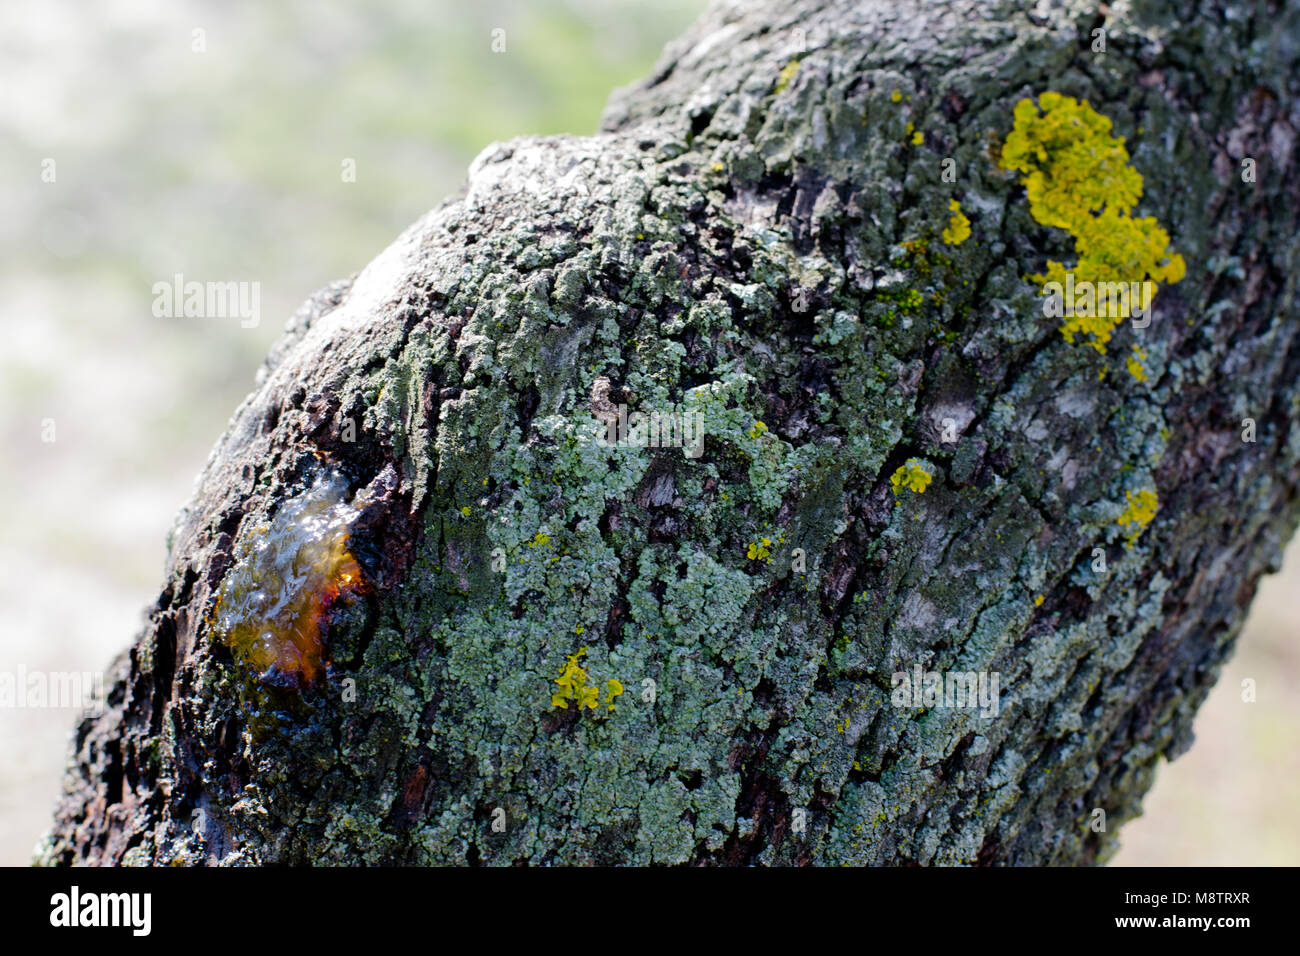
(958, 230)
(1135, 367)
(287, 574)
(786, 75)
(914, 135)
(613, 688)
(1141, 509)
(1077, 177)
(896, 96)
(758, 430)
(574, 686)
(540, 540)
(911, 475)
(760, 550)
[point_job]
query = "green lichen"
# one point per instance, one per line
(786, 75)
(911, 475)
(1139, 513)
(1135, 366)
(574, 686)
(919, 256)
(958, 229)
(1077, 177)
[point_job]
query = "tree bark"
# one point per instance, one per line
(730, 244)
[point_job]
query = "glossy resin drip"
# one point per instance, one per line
(286, 575)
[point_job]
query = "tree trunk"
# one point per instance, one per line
(428, 444)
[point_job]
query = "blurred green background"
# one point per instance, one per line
(224, 163)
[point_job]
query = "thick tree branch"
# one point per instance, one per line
(732, 245)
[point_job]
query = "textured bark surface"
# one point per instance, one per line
(730, 244)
